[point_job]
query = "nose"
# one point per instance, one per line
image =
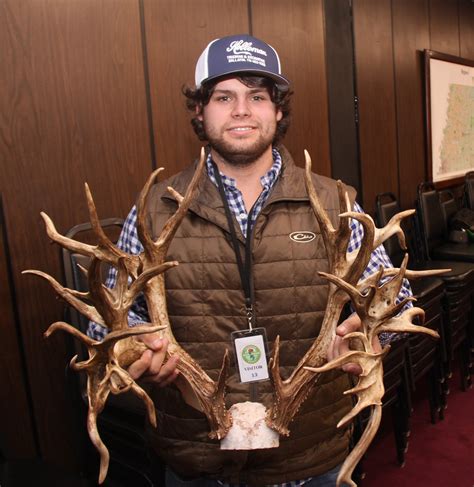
(241, 107)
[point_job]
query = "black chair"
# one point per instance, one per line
(469, 203)
(431, 226)
(435, 214)
(121, 424)
(425, 356)
(469, 190)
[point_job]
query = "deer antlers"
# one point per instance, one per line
(108, 360)
(374, 302)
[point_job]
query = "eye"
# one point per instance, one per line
(258, 98)
(222, 98)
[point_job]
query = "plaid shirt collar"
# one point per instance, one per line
(267, 180)
(234, 196)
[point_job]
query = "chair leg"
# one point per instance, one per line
(444, 391)
(434, 396)
(465, 365)
(401, 431)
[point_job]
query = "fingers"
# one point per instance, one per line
(376, 344)
(138, 368)
(349, 325)
(352, 368)
(340, 346)
(150, 367)
(162, 374)
(333, 351)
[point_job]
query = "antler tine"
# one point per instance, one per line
(101, 297)
(139, 285)
(70, 296)
(67, 243)
(105, 251)
(184, 202)
(377, 235)
(61, 325)
(160, 246)
(94, 219)
(344, 230)
(336, 241)
(403, 323)
(323, 220)
(143, 233)
(98, 443)
(409, 274)
(345, 474)
(113, 305)
(361, 256)
(108, 251)
(391, 228)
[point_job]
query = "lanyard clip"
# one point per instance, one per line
(250, 315)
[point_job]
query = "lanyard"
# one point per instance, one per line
(245, 268)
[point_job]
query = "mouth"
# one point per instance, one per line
(241, 129)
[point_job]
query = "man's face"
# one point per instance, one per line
(240, 121)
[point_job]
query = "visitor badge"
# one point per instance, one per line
(250, 349)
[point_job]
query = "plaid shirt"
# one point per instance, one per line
(129, 242)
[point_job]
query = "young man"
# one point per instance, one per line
(241, 109)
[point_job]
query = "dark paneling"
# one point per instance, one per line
(17, 437)
(466, 28)
(376, 93)
(73, 108)
(411, 36)
(444, 26)
(176, 34)
(342, 110)
(296, 30)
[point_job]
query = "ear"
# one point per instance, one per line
(279, 115)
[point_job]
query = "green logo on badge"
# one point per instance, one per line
(251, 354)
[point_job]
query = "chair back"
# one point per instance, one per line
(386, 206)
(448, 205)
(431, 217)
(469, 190)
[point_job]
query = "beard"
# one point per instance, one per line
(239, 152)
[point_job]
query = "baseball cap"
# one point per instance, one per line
(237, 54)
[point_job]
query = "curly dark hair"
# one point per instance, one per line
(197, 98)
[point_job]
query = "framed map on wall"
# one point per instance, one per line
(449, 116)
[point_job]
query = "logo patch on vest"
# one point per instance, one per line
(302, 237)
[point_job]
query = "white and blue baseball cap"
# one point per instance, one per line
(238, 54)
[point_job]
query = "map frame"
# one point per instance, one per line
(440, 71)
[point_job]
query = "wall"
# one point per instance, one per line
(389, 38)
(74, 109)
(91, 92)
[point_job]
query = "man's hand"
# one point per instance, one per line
(340, 346)
(149, 367)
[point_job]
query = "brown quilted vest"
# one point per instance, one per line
(206, 303)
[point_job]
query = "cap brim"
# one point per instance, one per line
(281, 80)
